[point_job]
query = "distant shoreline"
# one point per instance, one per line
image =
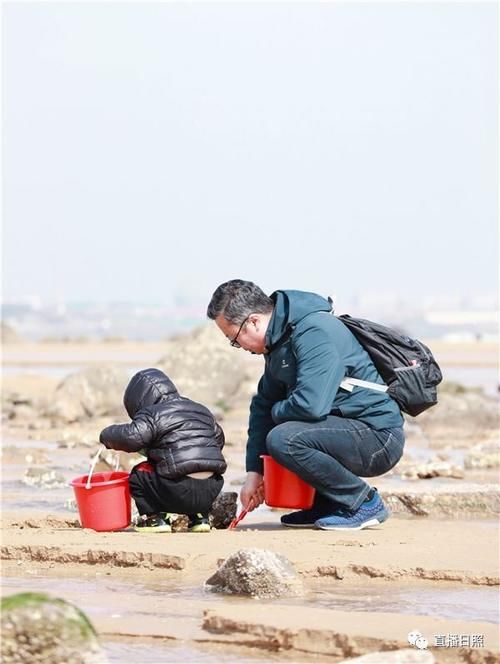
(450, 353)
(471, 364)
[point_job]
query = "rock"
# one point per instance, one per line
(44, 629)
(464, 500)
(23, 412)
(38, 424)
(45, 479)
(204, 367)
(180, 523)
(484, 455)
(223, 510)
(433, 469)
(16, 405)
(97, 391)
(37, 457)
(13, 454)
(220, 516)
(459, 416)
(77, 438)
(404, 656)
(18, 399)
(115, 460)
(258, 573)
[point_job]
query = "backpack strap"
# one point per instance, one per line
(349, 384)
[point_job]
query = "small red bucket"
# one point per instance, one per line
(105, 505)
(282, 488)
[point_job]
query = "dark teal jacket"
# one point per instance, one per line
(309, 353)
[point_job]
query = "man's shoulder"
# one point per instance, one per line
(320, 320)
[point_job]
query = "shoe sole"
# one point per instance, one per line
(158, 529)
(367, 524)
(299, 525)
(205, 528)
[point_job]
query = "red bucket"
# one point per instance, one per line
(282, 488)
(105, 505)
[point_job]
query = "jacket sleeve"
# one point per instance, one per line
(269, 392)
(320, 371)
(219, 435)
(130, 437)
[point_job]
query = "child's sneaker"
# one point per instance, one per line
(153, 523)
(198, 523)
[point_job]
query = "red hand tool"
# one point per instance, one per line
(237, 519)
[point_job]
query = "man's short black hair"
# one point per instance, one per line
(237, 299)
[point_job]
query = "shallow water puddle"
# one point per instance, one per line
(146, 653)
(88, 593)
(35, 501)
(474, 604)
(109, 596)
(96, 584)
(470, 604)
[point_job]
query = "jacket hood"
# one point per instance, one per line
(290, 307)
(146, 388)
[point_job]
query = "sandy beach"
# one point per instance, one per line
(436, 570)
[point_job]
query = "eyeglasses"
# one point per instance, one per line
(234, 342)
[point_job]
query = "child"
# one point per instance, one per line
(182, 442)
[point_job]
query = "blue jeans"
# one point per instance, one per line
(333, 453)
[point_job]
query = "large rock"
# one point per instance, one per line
(204, 367)
(97, 391)
(258, 573)
(44, 629)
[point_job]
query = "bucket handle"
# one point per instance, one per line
(93, 465)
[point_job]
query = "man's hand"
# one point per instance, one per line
(252, 492)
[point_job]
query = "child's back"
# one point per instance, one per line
(181, 440)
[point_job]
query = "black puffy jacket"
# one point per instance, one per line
(178, 435)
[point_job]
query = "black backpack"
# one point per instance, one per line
(406, 365)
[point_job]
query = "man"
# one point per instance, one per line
(301, 415)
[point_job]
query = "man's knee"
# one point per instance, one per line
(274, 442)
(280, 441)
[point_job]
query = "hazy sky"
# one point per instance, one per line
(155, 147)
